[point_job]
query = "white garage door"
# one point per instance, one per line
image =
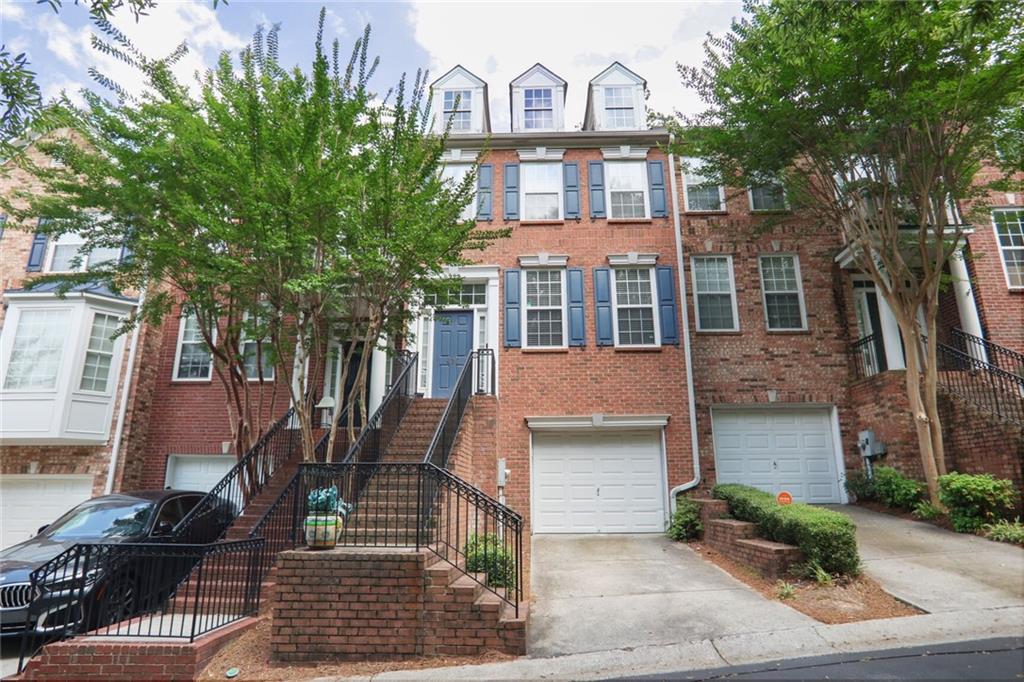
(31, 501)
(197, 472)
(606, 483)
(777, 449)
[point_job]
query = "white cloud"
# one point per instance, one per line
(10, 11)
(71, 88)
(649, 38)
(335, 24)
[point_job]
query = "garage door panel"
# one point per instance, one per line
(777, 449)
(29, 502)
(609, 483)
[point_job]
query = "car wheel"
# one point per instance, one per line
(119, 601)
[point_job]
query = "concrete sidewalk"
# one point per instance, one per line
(935, 569)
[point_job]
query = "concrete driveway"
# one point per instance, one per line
(618, 592)
(935, 569)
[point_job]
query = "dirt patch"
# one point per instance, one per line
(847, 600)
(250, 653)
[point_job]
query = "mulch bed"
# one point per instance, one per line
(251, 654)
(848, 600)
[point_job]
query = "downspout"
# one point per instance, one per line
(694, 444)
(115, 449)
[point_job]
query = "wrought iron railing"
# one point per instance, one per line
(383, 425)
(409, 504)
(868, 356)
(982, 349)
(229, 497)
(477, 376)
(981, 384)
(178, 591)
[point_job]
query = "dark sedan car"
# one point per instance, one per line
(123, 585)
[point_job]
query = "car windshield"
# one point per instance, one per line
(102, 519)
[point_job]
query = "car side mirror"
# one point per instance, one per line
(163, 528)
(42, 528)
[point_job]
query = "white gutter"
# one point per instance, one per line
(694, 444)
(115, 449)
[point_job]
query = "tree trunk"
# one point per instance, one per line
(912, 348)
(931, 395)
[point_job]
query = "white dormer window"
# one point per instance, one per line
(539, 113)
(618, 106)
(458, 107)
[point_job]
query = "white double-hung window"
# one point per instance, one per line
(635, 312)
(539, 109)
(783, 295)
(99, 353)
(37, 349)
(456, 173)
(194, 361)
(619, 109)
(68, 255)
(768, 197)
(458, 108)
(545, 308)
(1009, 224)
(702, 195)
(627, 189)
(541, 190)
(714, 293)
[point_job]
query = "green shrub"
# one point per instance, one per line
(1006, 531)
(686, 523)
(487, 554)
(860, 486)
(974, 500)
(926, 510)
(824, 536)
(814, 571)
(785, 590)
(897, 490)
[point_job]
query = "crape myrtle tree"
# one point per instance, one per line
(243, 198)
(876, 117)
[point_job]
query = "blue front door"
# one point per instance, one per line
(453, 341)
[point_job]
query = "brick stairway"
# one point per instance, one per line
(416, 431)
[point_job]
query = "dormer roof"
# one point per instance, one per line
(615, 71)
(537, 76)
(461, 77)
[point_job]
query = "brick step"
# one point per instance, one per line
(733, 528)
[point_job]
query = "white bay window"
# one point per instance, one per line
(38, 347)
(99, 353)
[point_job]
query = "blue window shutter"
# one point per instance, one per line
(511, 191)
(484, 182)
(3, 221)
(603, 305)
(595, 180)
(37, 253)
(571, 177)
(667, 305)
(577, 331)
(513, 337)
(656, 178)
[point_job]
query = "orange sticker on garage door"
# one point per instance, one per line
(784, 498)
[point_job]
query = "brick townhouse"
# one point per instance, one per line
(647, 339)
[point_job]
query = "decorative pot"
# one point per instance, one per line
(322, 530)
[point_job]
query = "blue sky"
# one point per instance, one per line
(495, 40)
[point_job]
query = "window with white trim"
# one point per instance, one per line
(769, 197)
(635, 323)
(783, 295)
(194, 361)
(701, 194)
(255, 356)
(1009, 224)
(627, 189)
(37, 349)
(619, 110)
(542, 190)
(67, 255)
(423, 341)
(714, 293)
(99, 353)
(458, 108)
(456, 173)
(545, 308)
(539, 112)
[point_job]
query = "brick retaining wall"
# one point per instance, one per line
(738, 541)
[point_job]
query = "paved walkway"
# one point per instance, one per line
(935, 569)
(602, 592)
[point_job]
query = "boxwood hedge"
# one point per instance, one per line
(824, 536)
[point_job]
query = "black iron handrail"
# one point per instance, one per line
(479, 364)
(409, 504)
(382, 426)
(229, 497)
(173, 590)
(868, 360)
(998, 356)
(982, 384)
